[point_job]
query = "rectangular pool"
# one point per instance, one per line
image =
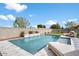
(36, 43)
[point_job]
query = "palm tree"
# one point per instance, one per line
(70, 25)
(21, 22)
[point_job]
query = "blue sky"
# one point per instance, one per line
(42, 13)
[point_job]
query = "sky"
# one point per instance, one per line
(39, 13)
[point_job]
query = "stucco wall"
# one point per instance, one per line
(60, 30)
(6, 33)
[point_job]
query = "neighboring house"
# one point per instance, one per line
(76, 26)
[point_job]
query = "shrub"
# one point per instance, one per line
(22, 34)
(77, 34)
(36, 31)
(30, 32)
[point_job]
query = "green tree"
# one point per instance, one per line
(62, 27)
(21, 22)
(41, 26)
(55, 26)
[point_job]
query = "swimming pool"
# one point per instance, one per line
(36, 43)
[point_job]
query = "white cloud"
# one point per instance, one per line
(11, 17)
(35, 26)
(7, 26)
(69, 20)
(15, 6)
(64, 22)
(3, 17)
(7, 17)
(30, 15)
(50, 22)
(72, 19)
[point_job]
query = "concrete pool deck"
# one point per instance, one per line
(9, 49)
(76, 42)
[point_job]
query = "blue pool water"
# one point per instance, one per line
(36, 43)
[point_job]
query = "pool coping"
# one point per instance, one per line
(10, 50)
(24, 52)
(60, 42)
(72, 43)
(7, 51)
